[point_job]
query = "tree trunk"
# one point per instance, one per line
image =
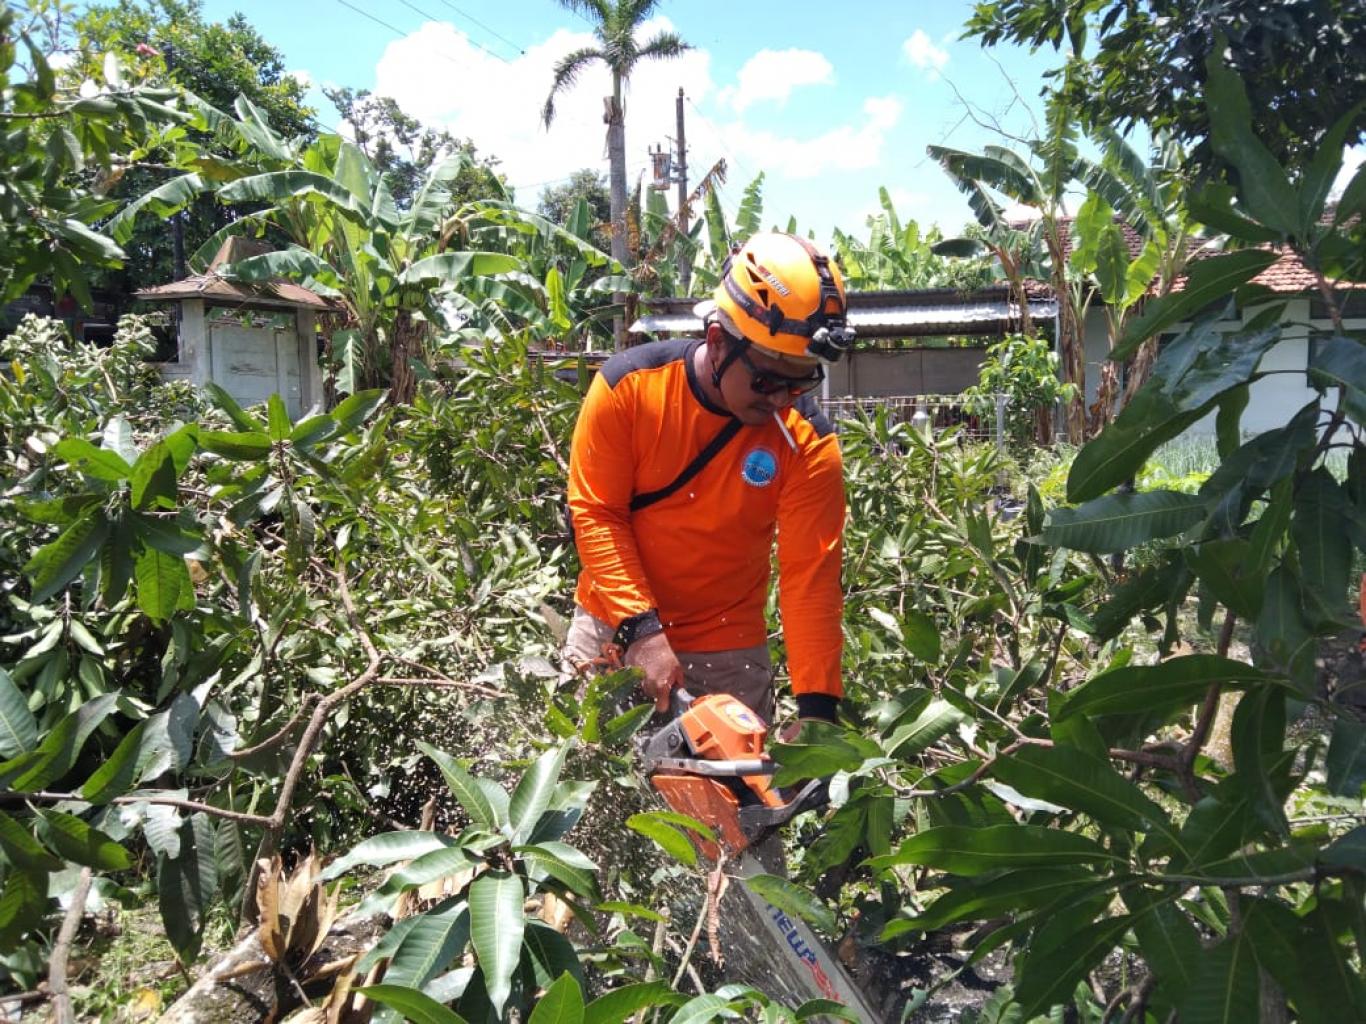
(1140, 368)
(616, 158)
(244, 987)
(1073, 349)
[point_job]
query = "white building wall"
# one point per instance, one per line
(1274, 399)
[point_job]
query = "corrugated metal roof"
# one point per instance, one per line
(885, 314)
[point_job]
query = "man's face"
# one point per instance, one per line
(737, 387)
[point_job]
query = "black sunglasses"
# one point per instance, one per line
(765, 382)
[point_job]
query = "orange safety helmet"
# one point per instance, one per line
(783, 294)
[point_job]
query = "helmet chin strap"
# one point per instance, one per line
(737, 345)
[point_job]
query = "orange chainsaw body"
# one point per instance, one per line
(718, 727)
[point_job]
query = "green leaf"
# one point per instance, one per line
(975, 851)
(793, 899)
(1119, 522)
(1225, 989)
(561, 1004)
(1048, 977)
(186, 885)
(454, 267)
(565, 865)
(23, 904)
(118, 774)
(1076, 780)
(701, 1009)
(440, 863)
(1346, 765)
(1258, 739)
(1208, 280)
(1307, 963)
(533, 792)
(669, 839)
(22, 850)
(388, 848)
(618, 1005)
(56, 564)
(100, 463)
(497, 924)
(279, 427)
(465, 788)
(1263, 185)
(153, 478)
(81, 843)
(242, 446)
(162, 579)
(1168, 939)
(1158, 688)
(550, 954)
(243, 420)
(1320, 531)
(428, 946)
(353, 411)
(937, 720)
(348, 350)
(822, 750)
(18, 727)
(57, 753)
(921, 636)
(415, 1005)
(1011, 892)
(1281, 633)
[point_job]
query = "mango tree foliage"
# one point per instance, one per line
(66, 142)
(1041, 777)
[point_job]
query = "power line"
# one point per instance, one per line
(429, 17)
(720, 142)
(521, 50)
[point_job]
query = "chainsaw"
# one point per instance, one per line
(708, 762)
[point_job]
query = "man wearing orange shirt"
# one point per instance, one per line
(688, 458)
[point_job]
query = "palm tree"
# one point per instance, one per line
(615, 23)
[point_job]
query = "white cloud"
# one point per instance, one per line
(924, 54)
(438, 76)
(1352, 159)
(845, 148)
(773, 74)
(302, 77)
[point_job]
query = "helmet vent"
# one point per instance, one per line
(763, 295)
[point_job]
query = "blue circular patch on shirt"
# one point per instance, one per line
(760, 467)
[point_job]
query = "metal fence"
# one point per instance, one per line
(936, 412)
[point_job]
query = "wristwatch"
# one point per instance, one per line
(637, 627)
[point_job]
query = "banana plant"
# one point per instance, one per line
(898, 256)
(388, 270)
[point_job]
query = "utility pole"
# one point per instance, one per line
(684, 257)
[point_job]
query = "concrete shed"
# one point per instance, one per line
(252, 339)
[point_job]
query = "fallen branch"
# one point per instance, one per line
(62, 1011)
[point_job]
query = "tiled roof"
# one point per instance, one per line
(1287, 276)
(214, 287)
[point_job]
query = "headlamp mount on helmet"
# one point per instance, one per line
(827, 329)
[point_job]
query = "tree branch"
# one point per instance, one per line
(62, 1011)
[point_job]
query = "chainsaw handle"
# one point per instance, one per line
(679, 702)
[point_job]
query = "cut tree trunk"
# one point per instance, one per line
(245, 987)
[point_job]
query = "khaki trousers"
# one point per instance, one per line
(745, 674)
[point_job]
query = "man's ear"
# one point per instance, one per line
(714, 334)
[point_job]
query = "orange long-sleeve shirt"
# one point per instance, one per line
(702, 555)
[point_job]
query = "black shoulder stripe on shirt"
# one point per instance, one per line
(810, 409)
(649, 356)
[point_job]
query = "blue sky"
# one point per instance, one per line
(829, 100)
